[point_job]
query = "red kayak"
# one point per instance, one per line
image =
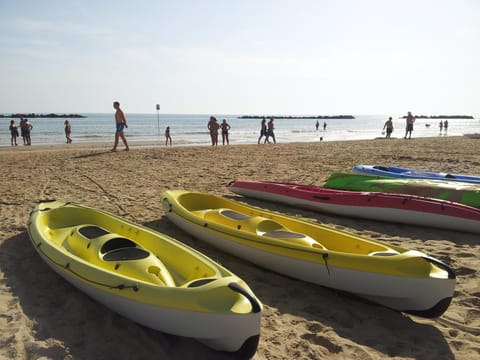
(391, 207)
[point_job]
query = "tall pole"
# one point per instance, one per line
(158, 119)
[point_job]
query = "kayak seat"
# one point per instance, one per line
(92, 231)
(234, 215)
(118, 249)
(126, 254)
(383, 168)
(116, 244)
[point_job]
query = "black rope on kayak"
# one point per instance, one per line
(67, 267)
(325, 257)
(122, 286)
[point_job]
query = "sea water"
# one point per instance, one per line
(189, 130)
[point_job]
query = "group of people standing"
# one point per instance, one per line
(410, 120)
(388, 126)
(214, 127)
(443, 125)
(25, 128)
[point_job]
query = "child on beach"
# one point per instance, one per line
(389, 126)
(168, 138)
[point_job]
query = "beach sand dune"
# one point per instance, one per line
(43, 316)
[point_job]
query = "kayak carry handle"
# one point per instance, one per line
(441, 265)
(237, 288)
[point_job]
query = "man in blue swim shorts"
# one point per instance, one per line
(120, 123)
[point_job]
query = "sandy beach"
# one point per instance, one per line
(44, 317)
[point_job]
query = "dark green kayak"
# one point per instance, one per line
(464, 193)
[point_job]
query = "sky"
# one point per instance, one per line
(305, 57)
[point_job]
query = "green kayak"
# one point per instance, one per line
(464, 193)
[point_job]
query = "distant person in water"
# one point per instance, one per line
(440, 125)
(68, 131)
(317, 124)
(445, 125)
(168, 138)
(409, 125)
(270, 132)
(120, 125)
(263, 130)
(225, 128)
(388, 127)
(324, 126)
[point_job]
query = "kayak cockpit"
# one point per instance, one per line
(256, 225)
(116, 253)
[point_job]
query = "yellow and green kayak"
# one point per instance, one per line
(389, 275)
(147, 276)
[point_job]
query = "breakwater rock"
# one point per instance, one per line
(322, 117)
(50, 116)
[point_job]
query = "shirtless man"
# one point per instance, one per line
(410, 121)
(120, 123)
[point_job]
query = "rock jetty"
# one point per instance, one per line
(322, 117)
(50, 116)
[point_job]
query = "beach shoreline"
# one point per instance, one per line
(42, 316)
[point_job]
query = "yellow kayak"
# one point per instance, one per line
(392, 276)
(147, 276)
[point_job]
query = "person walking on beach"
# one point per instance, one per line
(68, 131)
(120, 124)
(389, 126)
(270, 132)
(225, 127)
(213, 127)
(13, 133)
(408, 130)
(168, 138)
(263, 130)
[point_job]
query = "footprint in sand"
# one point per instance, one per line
(462, 271)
